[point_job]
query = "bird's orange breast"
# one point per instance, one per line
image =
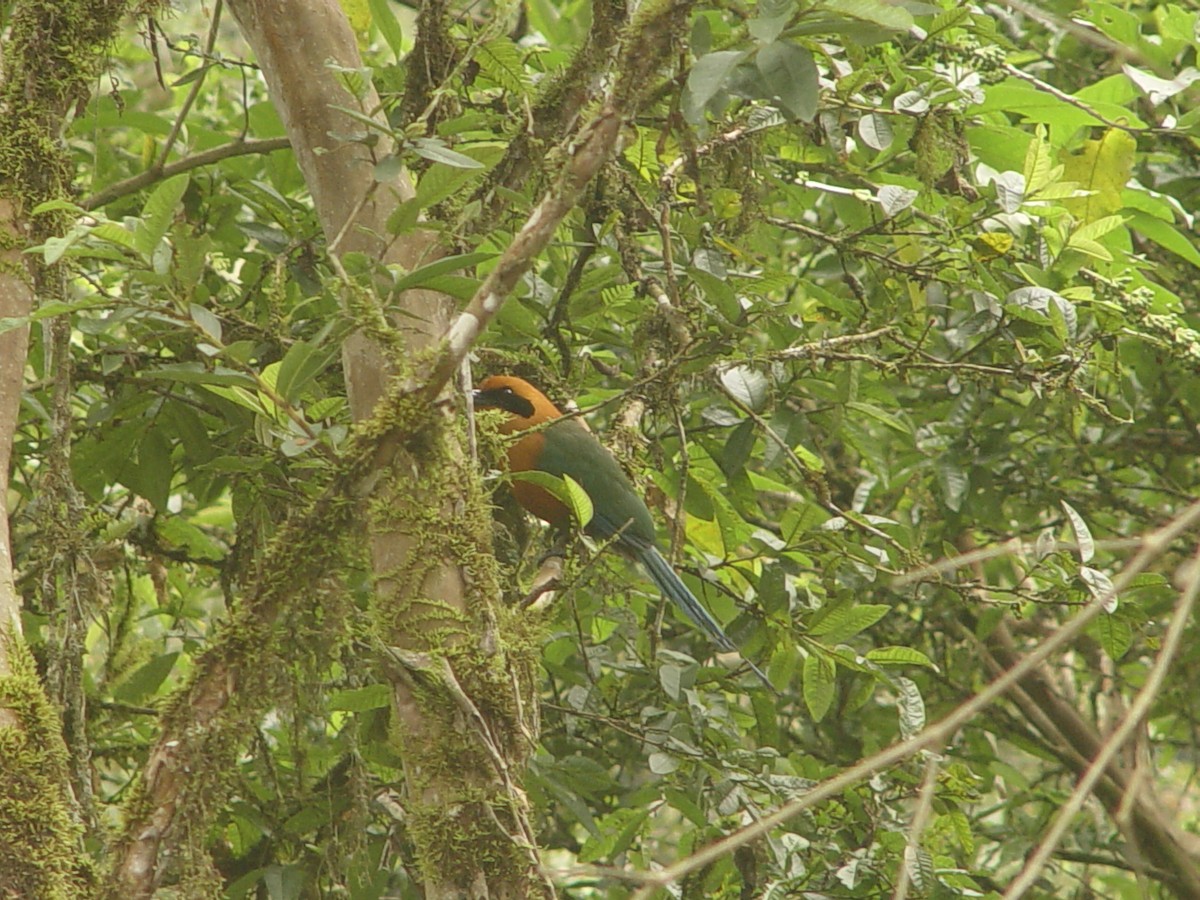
(523, 456)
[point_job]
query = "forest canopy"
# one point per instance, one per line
(887, 309)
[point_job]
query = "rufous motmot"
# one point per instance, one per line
(568, 448)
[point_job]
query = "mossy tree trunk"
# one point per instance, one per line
(464, 707)
(52, 53)
(463, 768)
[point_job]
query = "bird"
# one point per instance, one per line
(567, 448)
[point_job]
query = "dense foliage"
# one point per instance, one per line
(888, 307)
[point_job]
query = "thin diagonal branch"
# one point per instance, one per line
(595, 145)
(1153, 545)
(159, 171)
(1123, 732)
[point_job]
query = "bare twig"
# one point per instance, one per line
(593, 147)
(1152, 546)
(1072, 100)
(1137, 711)
(546, 582)
(210, 42)
(920, 819)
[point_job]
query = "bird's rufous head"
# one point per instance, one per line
(525, 404)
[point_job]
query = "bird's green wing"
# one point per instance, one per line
(570, 449)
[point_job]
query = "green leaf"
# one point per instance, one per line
(661, 763)
(1097, 228)
(1039, 170)
(1083, 535)
(115, 234)
(49, 310)
(196, 373)
(894, 199)
(300, 365)
(1114, 634)
(446, 264)
(790, 76)
(247, 399)
(887, 15)
(182, 533)
(1165, 235)
(767, 28)
(707, 79)
(566, 489)
(1100, 586)
(615, 832)
(439, 182)
(283, 882)
(746, 385)
(738, 447)
(207, 321)
(500, 61)
(841, 622)
(719, 291)
(146, 679)
(879, 415)
(150, 476)
(876, 131)
(911, 706)
(899, 656)
(671, 678)
(388, 25)
(954, 483)
(820, 679)
(436, 151)
(158, 214)
(372, 696)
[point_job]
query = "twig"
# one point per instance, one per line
(1133, 718)
(1073, 101)
(920, 819)
(158, 171)
(546, 582)
(1153, 545)
(186, 107)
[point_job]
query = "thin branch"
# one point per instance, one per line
(825, 348)
(920, 819)
(159, 171)
(1153, 545)
(1073, 101)
(1137, 711)
(210, 42)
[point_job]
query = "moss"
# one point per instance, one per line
(468, 829)
(40, 852)
(653, 34)
(55, 50)
(459, 805)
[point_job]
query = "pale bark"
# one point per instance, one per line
(16, 300)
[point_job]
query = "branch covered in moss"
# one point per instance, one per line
(594, 147)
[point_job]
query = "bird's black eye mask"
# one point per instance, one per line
(504, 398)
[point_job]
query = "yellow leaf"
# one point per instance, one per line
(1102, 168)
(991, 244)
(359, 15)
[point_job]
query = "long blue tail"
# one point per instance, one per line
(677, 592)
